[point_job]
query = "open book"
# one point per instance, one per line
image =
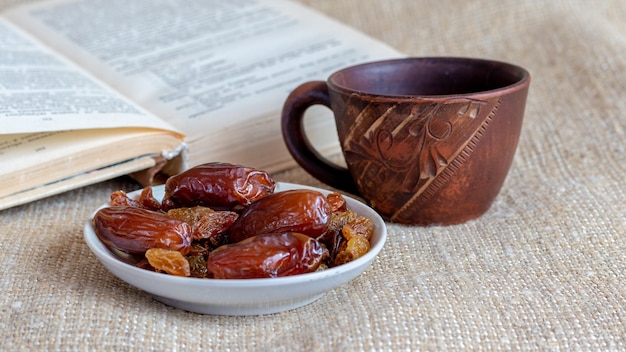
(94, 89)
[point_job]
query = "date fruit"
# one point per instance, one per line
(218, 185)
(135, 230)
(303, 211)
(266, 256)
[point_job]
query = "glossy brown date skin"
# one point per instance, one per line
(266, 256)
(303, 211)
(135, 230)
(218, 185)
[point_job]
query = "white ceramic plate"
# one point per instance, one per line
(241, 297)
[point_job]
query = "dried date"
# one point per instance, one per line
(135, 230)
(303, 211)
(265, 256)
(218, 185)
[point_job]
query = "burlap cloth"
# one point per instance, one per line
(544, 269)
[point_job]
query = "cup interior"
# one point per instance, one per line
(428, 77)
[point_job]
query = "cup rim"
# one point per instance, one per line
(521, 83)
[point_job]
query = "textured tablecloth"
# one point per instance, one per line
(544, 269)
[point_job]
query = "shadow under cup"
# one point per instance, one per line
(427, 141)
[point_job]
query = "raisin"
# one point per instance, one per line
(333, 237)
(358, 233)
(120, 198)
(214, 226)
(145, 200)
(337, 202)
(189, 215)
(352, 249)
(205, 222)
(197, 258)
(171, 262)
(361, 226)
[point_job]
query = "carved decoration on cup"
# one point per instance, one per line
(417, 140)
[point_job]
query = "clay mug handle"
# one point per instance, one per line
(301, 149)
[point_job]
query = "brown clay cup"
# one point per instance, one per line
(427, 141)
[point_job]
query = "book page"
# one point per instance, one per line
(80, 180)
(42, 92)
(202, 65)
(32, 150)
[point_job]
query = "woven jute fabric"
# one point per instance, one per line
(543, 269)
